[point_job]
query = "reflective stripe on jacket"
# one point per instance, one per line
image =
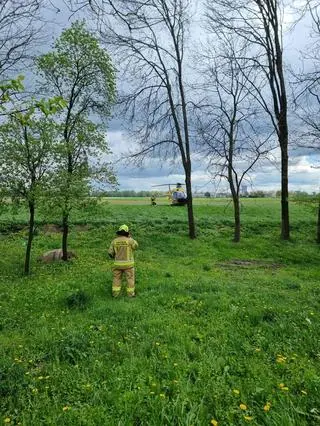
(121, 249)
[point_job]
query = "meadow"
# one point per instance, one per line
(219, 333)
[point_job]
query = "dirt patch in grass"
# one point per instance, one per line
(51, 228)
(55, 229)
(82, 228)
(249, 264)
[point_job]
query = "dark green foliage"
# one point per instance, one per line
(206, 267)
(78, 300)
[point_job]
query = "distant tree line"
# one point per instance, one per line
(128, 193)
(252, 194)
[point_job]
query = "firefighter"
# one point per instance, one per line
(121, 250)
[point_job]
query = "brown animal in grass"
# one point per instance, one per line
(55, 255)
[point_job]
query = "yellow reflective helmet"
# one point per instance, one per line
(124, 228)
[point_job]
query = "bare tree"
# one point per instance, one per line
(229, 122)
(307, 98)
(20, 24)
(259, 22)
(150, 41)
(306, 86)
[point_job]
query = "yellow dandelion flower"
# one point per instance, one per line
(267, 407)
(257, 350)
(281, 359)
(248, 418)
(214, 422)
(66, 408)
(7, 420)
(283, 387)
(243, 407)
(236, 391)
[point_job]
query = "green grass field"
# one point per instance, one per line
(219, 333)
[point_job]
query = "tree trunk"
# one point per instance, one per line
(283, 131)
(236, 207)
(65, 232)
(318, 224)
(66, 211)
(285, 226)
(234, 187)
(191, 223)
(30, 237)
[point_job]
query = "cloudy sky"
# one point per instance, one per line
(303, 174)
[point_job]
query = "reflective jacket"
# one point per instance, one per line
(121, 250)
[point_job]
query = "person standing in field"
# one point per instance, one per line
(121, 250)
(153, 200)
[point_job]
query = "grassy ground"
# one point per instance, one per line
(218, 332)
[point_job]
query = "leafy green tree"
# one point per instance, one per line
(7, 89)
(88, 142)
(27, 161)
(80, 71)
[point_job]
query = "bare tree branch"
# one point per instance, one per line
(259, 23)
(148, 37)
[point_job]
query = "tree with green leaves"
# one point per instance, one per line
(69, 192)
(7, 89)
(81, 71)
(27, 160)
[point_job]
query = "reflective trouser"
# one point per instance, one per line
(117, 276)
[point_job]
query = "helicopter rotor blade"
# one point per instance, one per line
(164, 184)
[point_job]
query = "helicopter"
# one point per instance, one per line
(176, 195)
